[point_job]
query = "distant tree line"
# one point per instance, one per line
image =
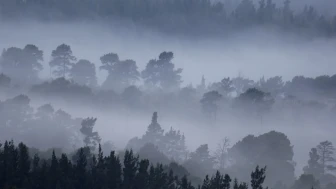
(204, 16)
(126, 85)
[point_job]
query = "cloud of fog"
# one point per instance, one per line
(254, 53)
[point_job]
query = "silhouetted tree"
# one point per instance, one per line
(62, 60)
(121, 74)
(154, 133)
(258, 177)
(162, 72)
(326, 152)
(91, 138)
(314, 166)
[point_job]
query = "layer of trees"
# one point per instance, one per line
(203, 16)
(85, 170)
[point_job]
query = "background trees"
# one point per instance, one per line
(121, 74)
(61, 60)
(84, 73)
(22, 64)
(162, 72)
(209, 102)
(191, 17)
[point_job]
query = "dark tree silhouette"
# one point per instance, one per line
(61, 60)
(258, 178)
(121, 74)
(92, 139)
(326, 152)
(162, 72)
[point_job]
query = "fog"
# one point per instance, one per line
(252, 53)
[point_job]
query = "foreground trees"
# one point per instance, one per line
(86, 171)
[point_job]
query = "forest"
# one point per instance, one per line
(93, 111)
(198, 17)
(157, 158)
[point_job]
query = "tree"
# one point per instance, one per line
(141, 180)
(209, 101)
(326, 152)
(314, 166)
(273, 149)
(224, 87)
(33, 57)
(221, 153)
(258, 178)
(254, 100)
(202, 159)
(175, 146)
(23, 165)
(273, 85)
(306, 181)
(162, 72)
(91, 138)
(23, 64)
(62, 60)
(121, 74)
(154, 133)
(84, 73)
(129, 170)
(113, 172)
(81, 169)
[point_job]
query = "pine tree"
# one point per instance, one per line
(62, 60)
(326, 152)
(23, 165)
(258, 178)
(113, 172)
(141, 179)
(129, 170)
(206, 183)
(80, 170)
